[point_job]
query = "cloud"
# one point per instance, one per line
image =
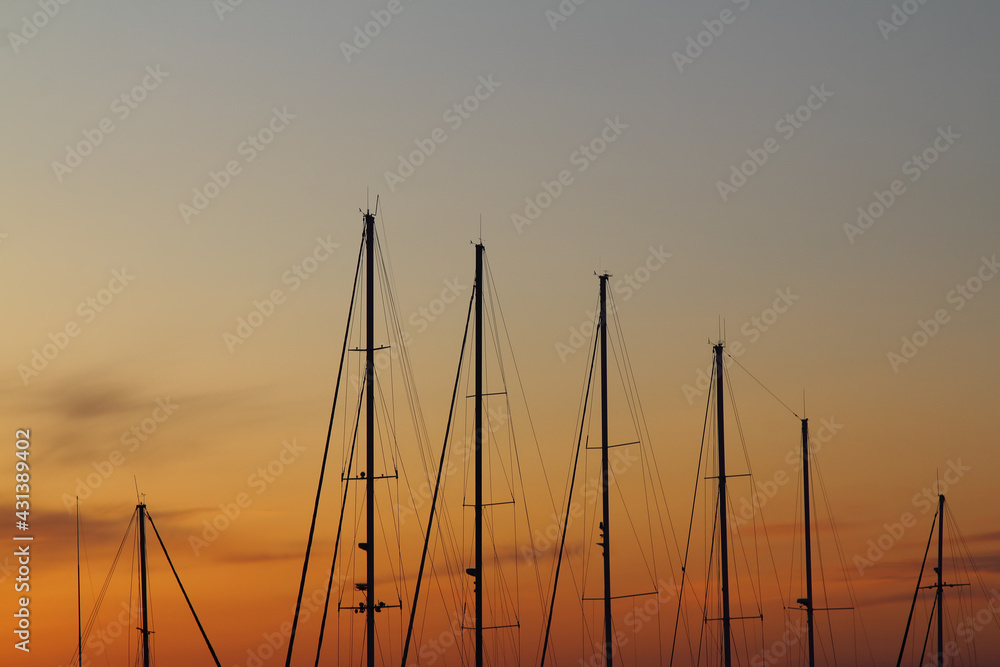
(990, 563)
(85, 415)
(55, 531)
(992, 536)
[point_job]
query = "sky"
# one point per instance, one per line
(809, 180)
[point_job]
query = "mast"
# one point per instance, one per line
(144, 592)
(723, 515)
(940, 582)
(370, 434)
(79, 605)
(604, 471)
(808, 551)
(938, 590)
(479, 454)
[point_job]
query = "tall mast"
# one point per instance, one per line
(809, 576)
(143, 586)
(723, 514)
(79, 605)
(370, 396)
(479, 454)
(604, 471)
(938, 590)
(940, 582)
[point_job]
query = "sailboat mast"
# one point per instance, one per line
(79, 604)
(940, 582)
(723, 514)
(144, 591)
(370, 465)
(604, 470)
(479, 454)
(808, 549)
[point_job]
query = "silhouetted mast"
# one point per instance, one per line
(437, 485)
(144, 591)
(938, 587)
(479, 455)
(723, 516)
(808, 601)
(940, 581)
(604, 471)
(142, 517)
(369, 546)
(79, 602)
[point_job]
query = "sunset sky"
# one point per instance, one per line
(181, 186)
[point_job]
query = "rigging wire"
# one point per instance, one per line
(186, 598)
(817, 468)
(322, 470)
(767, 538)
(501, 322)
(687, 546)
(104, 588)
(762, 385)
(340, 525)
(572, 479)
(437, 483)
(645, 428)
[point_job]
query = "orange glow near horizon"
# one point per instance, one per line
(811, 182)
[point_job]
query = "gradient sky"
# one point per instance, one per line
(224, 76)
